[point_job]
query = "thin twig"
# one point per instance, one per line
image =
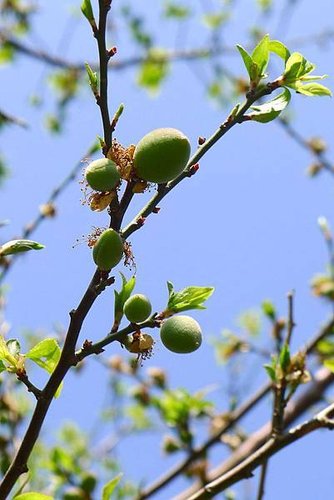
(233, 418)
(291, 322)
(23, 377)
(98, 347)
(190, 169)
(270, 448)
(311, 395)
(169, 55)
(104, 56)
(320, 157)
(263, 475)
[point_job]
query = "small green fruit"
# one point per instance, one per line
(102, 175)
(181, 334)
(108, 250)
(137, 308)
(161, 155)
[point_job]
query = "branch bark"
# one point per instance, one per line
(259, 445)
(234, 418)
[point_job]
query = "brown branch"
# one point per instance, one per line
(245, 469)
(280, 385)
(67, 359)
(169, 55)
(23, 377)
(236, 117)
(234, 418)
(77, 316)
(320, 157)
(312, 395)
(263, 476)
(104, 56)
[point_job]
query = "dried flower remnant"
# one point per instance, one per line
(123, 157)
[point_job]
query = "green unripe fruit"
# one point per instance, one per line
(161, 155)
(108, 250)
(181, 334)
(137, 308)
(102, 175)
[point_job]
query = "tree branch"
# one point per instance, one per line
(169, 55)
(311, 395)
(271, 447)
(190, 169)
(234, 418)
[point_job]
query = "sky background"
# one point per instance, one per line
(246, 223)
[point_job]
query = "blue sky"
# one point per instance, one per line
(245, 224)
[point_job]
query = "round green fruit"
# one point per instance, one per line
(137, 308)
(102, 175)
(181, 334)
(108, 250)
(161, 155)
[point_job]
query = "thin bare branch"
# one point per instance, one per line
(260, 440)
(234, 418)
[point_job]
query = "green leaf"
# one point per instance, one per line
(329, 363)
(2, 367)
(325, 347)
(313, 89)
(7, 53)
(93, 80)
(279, 49)
(13, 346)
(270, 110)
(251, 66)
(271, 372)
(121, 297)
(7, 357)
(17, 246)
(214, 21)
(296, 67)
(191, 297)
(154, 70)
(284, 357)
(269, 309)
(87, 10)
(176, 11)
(264, 4)
(260, 55)
(95, 147)
(32, 495)
(46, 355)
(109, 487)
